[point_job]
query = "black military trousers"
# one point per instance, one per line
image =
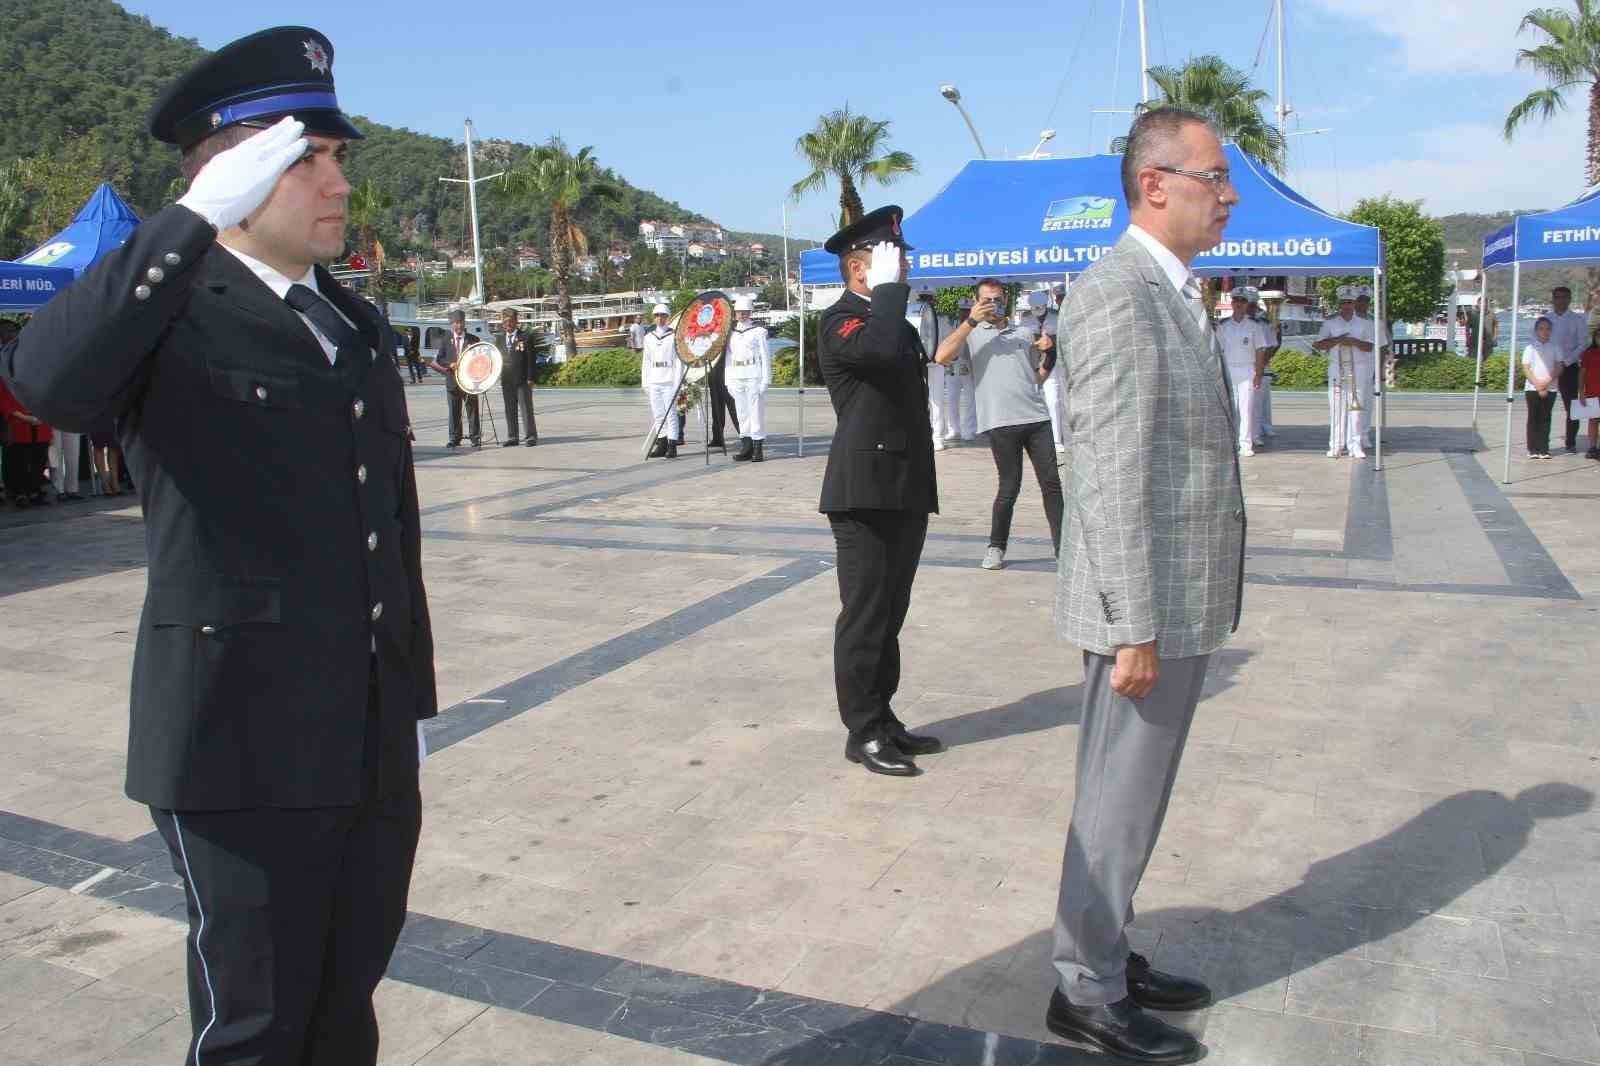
(519, 402)
(1568, 385)
(457, 400)
(878, 552)
(722, 405)
(293, 915)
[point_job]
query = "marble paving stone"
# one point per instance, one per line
(108, 942)
(89, 1025)
(164, 973)
(1437, 942)
(1365, 993)
(1385, 1047)
(169, 1043)
(27, 985)
(1242, 1037)
(412, 1021)
(496, 1037)
(1542, 1020)
(465, 978)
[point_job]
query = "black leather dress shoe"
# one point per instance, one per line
(1121, 1029)
(1155, 990)
(513, 443)
(914, 743)
(880, 756)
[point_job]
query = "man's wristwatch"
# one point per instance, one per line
(971, 323)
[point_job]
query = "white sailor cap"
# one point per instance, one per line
(744, 303)
(1347, 292)
(661, 309)
(1240, 292)
(1039, 300)
(966, 303)
(1364, 291)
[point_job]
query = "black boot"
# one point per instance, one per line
(744, 453)
(658, 449)
(760, 456)
(672, 450)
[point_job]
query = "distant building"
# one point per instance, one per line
(675, 245)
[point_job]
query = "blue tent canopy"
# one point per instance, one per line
(23, 288)
(101, 225)
(1037, 219)
(1569, 234)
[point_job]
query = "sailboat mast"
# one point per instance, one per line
(472, 204)
(1144, 55)
(1283, 100)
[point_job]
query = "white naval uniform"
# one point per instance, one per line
(1240, 341)
(1344, 425)
(1269, 339)
(659, 372)
(933, 329)
(748, 373)
(1055, 386)
(1366, 368)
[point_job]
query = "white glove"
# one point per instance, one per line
(885, 266)
(238, 181)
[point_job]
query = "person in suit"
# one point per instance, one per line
(444, 361)
(723, 403)
(413, 345)
(879, 485)
(1151, 570)
(284, 659)
(516, 380)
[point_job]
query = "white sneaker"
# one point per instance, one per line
(1061, 449)
(949, 437)
(1357, 453)
(938, 445)
(1334, 453)
(993, 559)
(1247, 451)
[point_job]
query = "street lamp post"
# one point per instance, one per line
(951, 93)
(1045, 136)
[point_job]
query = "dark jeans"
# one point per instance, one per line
(519, 409)
(456, 399)
(722, 405)
(1569, 392)
(1007, 443)
(24, 468)
(878, 552)
(1539, 409)
(414, 364)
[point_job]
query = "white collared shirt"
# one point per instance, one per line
(280, 283)
(1169, 263)
(1569, 333)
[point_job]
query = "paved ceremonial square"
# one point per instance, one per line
(642, 845)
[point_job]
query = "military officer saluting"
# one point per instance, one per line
(659, 371)
(879, 487)
(284, 657)
(749, 373)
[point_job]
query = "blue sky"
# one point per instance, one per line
(702, 102)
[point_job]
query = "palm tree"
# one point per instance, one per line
(1570, 59)
(368, 205)
(1222, 93)
(842, 146)
(553, 177)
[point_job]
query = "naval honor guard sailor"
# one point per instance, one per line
(660, 371)
(749, 373)
(1344, 338)
(284, 657)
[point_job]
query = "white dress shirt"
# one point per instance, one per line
(1569, 334)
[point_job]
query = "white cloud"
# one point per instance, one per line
(1461, 167)
(1457, 37)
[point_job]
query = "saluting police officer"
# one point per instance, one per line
(285, 656)
(879, 486)
(659, 372)
(749, 359)
(516, 380)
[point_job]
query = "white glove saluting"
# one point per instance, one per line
(884, 269)
(238, 181)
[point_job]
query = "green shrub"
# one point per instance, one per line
(784, 367)
(1299, 370)
(616, 368)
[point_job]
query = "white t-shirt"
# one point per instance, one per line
(1540, 358)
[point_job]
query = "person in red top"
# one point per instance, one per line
(27, 451)
(1587, 405)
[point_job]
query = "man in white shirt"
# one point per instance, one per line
(1244, 352)
(1341, 338)
(659, 372)
(1569, 333)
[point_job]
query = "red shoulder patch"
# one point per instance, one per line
(850, 326)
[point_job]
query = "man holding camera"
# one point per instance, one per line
(1009, 367)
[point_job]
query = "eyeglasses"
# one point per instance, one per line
(1217, 178)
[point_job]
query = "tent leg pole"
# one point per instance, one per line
(800, 374)
(1511, 364)
(1381, 416)
(1477, 367)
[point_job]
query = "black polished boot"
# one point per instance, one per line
(745, 450)
(914, 743)
(672, 450)
(1154, 990)
(1121, 1029)
(658, 449)
(760, 455)
(880, 756)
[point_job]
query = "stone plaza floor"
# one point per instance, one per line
(642, 845)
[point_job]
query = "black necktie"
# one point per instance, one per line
(347, 341)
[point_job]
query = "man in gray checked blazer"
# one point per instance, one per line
(1152, 562)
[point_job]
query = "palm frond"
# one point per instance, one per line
(1545, 103)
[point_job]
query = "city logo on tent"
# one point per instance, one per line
(1079, 212)
(48, 254)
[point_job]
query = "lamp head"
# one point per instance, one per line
(951, 93)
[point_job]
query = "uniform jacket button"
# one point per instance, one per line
(1238, 514)
(141, 292)
(261, 392)
(361, 473)
(172, 259)
(377, 610)
(156, 275)
(208, 630)
(359, 408)
(879, 446)
(372, 542)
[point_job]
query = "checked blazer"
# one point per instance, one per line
(1153, 541)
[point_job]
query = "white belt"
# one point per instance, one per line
(662, 365)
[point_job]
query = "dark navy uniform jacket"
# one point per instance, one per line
(873, 362)
(280, 502)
